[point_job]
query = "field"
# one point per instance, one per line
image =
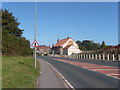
(19, 72)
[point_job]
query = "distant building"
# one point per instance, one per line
(42, 49)
(66, 46)
(110, 50)
(113, 49)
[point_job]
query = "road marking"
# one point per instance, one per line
(107, 70)
(114, 74)
(62, 77)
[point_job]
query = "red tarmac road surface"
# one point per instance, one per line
(107, 70)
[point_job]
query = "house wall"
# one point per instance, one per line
(73, 49)
(65, 51)
(73, 42)
(56, 50)
(70, 50)
(43, 51)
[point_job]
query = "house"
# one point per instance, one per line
(42, 49)
(66, 46)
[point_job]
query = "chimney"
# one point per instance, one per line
(68, 37)
(52, 45)
(57, 40)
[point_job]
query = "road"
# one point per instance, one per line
(87, 73)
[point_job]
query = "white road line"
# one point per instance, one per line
(94, 69)
(62, 77)
(105, 74)
(114, 74)
(106, 69)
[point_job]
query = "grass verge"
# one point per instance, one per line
(19, 72)
(0, 72)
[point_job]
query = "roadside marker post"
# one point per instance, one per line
(113, 57)
(92, 56)
(89, 56)
(79, 55)
(107, 56)
(99, 56)
(118, 57)
(86, 56)
(95, 56)
(103, 57)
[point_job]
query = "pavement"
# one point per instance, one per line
(49, 78)
(81, 75)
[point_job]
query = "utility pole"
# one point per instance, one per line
(35, 26)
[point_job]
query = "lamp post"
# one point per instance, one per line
(35, 26)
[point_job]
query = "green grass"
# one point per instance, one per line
(0, 72)
(19, 72)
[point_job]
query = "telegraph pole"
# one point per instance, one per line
(35, 26)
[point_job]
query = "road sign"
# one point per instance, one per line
(35, 44)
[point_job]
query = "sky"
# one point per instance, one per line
(97, 21)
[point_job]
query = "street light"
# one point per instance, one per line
(35, 26)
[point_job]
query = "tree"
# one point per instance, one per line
(88, 45)
(103, 44)
(96, 45)
(12, 41)
(83, 48)
(10, 24)
(79, 43)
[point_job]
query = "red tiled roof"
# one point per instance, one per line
(110, 47)
(61, 42)
(67, 47)
(43, 47)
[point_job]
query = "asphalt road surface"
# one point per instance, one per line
(83, 73)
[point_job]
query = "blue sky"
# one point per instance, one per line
(97, 21)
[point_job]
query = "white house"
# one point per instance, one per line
(66, 46)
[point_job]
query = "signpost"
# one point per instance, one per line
(35, 44)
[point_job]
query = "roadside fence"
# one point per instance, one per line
(111, 57)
